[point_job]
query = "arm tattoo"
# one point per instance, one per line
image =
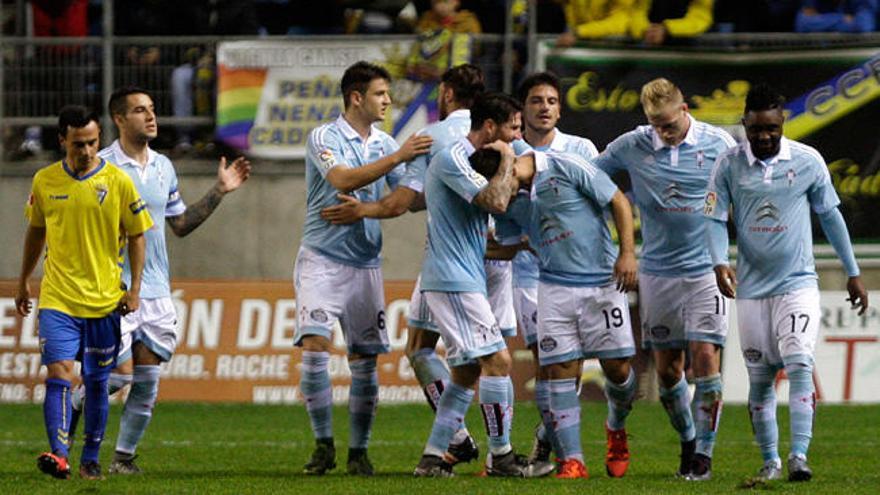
(196, 214)
(495, 197)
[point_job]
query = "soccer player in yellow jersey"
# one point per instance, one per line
(79, 209)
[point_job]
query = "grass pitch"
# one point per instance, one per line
(197, 448)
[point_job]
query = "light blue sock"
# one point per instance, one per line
(494, 403)
(138, 408)
(620, 399)
(96, 410)
(432, 374)
(451, 410)
(362, 401)
(677, 402)
(707, 412)
(542, 400)
(511, 400)
(801, 404)
(315, 387)
(117, 382)
(762, 411)
(565, 407)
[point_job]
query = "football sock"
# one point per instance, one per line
(138, 407)
(762, 411)
(56, 414)
(431, 373)
(677, 402)
(542, 400)
(117, 382)
(315, 387)
(451, 410)
(362, 401)
(620, 399)
(707, 412)
(494, 403)
(565, 408)
(97, 407)
(801, 404)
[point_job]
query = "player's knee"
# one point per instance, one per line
(497, 364)
(60, 370)
(704, 359)
(561, 371)
(316, 343)
(417, 340)
(616, 370)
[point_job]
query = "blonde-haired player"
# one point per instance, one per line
(681, 308)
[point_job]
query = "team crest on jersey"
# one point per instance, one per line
(548, 344)
(326, 159)
(752, 355)
(711, 200)
(660, 332)
(319, 315)
(790, 175)
(101, 192)
(700, 157)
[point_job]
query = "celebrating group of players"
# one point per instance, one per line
(517, 238)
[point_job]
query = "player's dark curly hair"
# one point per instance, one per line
(763, 97)
(537, 79)
(466, 81)
(499, 107)
(485, 161)
(358, 77)
(76, 116)
(118, 100)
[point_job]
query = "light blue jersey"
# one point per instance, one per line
(669, 185)
(157, 185)
(456, 227)
(455, 126)
(525, 264)
(563, 215)
(336, 144)
(771, 203)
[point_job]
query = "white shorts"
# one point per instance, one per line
(327, 292)
(466, 324)
(525, 304)
(154, 325)
(676, 310)
(499, 287)
(775, 328)
(419, 313)
(582, 323)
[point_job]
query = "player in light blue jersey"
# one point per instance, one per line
(582, 307)
(149, 335)
(669, 162)
(767, 187)
(459, 86)
(454, 284)
(540, 95)
(337, 275)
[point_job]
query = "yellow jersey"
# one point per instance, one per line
(86, 219)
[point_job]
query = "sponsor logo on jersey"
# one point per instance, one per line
(59, 197)
(767, 210)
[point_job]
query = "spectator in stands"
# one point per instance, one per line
(664, 19)
(590, 19)
(445, 40)
(841, 16)
(756, 16)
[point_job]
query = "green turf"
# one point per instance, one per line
(195, 448)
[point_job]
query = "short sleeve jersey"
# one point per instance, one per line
(85, 219)
(337, 144)
(771, 202)
(525, 264)
(157, 185)
(454, 127)
(669, 184)
(563, 215)
(456, 227)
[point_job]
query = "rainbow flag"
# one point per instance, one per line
(238, 97)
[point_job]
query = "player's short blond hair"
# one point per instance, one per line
(658, 94)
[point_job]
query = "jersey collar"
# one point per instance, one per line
(123, 159)
(351, 134)
(463, 113)
(690, 138)
(541, 165)
(783, 155)
(72, 174)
